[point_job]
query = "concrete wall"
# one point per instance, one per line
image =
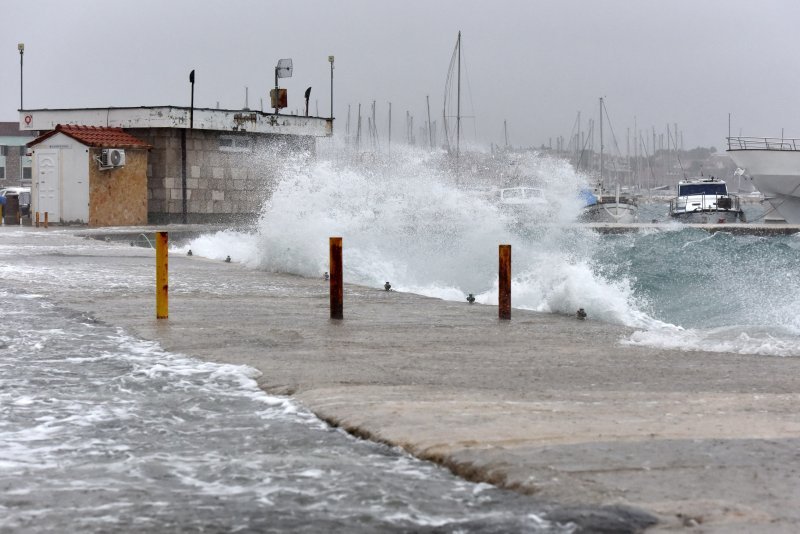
(118, 196)
(229, 175)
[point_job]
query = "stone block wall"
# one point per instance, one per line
(229, 174)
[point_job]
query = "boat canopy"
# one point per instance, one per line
(587, 197)
(702, 188)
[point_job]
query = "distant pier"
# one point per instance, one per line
(735, 228)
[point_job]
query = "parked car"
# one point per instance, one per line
(24, 194)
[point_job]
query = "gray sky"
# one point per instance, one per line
(534, 63)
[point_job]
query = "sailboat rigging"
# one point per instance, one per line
(455, 64)
(603, 207)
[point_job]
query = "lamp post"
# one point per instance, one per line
(21, 48)
(330, 60)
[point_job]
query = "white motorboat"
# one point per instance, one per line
(774, 166)
(705, 200)
(526, 204)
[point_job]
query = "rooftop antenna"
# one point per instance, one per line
(282, 70)
(245, 98)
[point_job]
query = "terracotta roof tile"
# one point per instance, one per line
(95, 136)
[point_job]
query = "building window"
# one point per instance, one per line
(22, 150)
(26, 173)
(2, 173)
(3, 150)
(235, 143)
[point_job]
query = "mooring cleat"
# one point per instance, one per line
(580, 314)
(471, 298)
(228, 259)
(387, 286)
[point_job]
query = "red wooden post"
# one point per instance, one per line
(504, 296)
(337, 287)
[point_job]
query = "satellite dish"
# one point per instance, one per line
(284, 68)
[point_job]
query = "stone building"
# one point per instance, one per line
(15, 165)
(205, 165)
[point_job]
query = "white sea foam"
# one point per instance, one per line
(407, 222)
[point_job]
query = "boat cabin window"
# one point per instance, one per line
(520, 192)
(512, 193)
(702, 189)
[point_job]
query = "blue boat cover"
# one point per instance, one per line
(587, 197)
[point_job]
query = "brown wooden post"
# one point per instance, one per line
(45, 219)
(162, 275)
(37, 219)
(504, 294)
(337, 288)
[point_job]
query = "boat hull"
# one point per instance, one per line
(710, 217)
(614, 212)
(776, 175)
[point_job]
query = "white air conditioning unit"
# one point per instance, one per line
(112, 157)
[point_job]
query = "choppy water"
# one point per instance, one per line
(406, 222)
(101, 432)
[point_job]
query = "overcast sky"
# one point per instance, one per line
(533, 63)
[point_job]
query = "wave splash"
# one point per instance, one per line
(408, 221)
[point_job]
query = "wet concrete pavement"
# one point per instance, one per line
(544, 404)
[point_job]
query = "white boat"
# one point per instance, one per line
(607, 207)
(774, 166)
(705, 200)
(524, 204)
(601, 206)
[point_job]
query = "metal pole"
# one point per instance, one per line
(504, 294)
(337, 287)
(601, 144)
(330, 59)
(390, 128)
(162, 276)
(430, 127)
(275, 99)
(21, 48)
(191, 107)
(458, 103)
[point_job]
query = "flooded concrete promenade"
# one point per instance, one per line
(543, 404)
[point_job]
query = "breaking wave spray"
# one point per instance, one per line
(405, 220)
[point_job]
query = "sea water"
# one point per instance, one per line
(102, 432)
(408, 221)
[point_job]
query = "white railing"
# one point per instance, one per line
(762, 143)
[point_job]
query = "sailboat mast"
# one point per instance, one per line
(458, 99)
(601, 141)
(430, 127)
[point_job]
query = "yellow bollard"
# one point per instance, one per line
(162, 275)
(504, 296)
(337, 288)
(45, 219)
(37, 219)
